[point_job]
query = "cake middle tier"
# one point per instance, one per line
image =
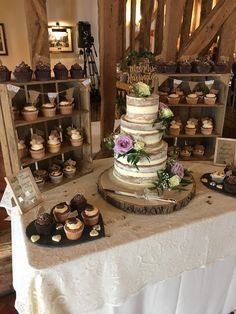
(150, 134)
(146, 171)
(142, 110)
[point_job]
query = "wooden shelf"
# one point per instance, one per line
(216, 105)
(193, 74)
(52, 81)
(195, 158)
(21, 123)
(65, 148)
(85, 168)
(195, 135)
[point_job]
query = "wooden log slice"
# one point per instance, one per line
(107, 182)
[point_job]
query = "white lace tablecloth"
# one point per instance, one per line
(137, 252)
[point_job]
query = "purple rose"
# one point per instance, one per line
(123, 144)
(178, 169)
(162, 105)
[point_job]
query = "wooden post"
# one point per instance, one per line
(206, 8)
(228, 38)
(186, 25)
(132, 25)
(121, 34)
(145, 24)
(209, 28)
(159, 25)
(37, 24)
(174, 14)
(108, 18)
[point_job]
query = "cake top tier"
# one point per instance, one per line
(142, 109)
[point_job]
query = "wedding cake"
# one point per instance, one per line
(140, 123)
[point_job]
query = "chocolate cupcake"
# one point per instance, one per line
(42, 71)
(5, 74)
(184, 67)
(78, 202)
(56, 176)
(44, 224)
(23, 72)
(229, 184)
(170, 67)
(76, 71)
(60, 71)
(61, 212)
(90, 215)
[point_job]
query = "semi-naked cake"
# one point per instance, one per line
(140, 123)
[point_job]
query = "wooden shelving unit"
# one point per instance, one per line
(12, 129)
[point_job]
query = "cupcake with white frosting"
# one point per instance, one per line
(90, 215)
(54, 142)
(76, 138)
(61, 212)
(48, 110)
(37, 149)
(190, 128)
(73, 228)
(22, 149)
(66, 107)
(192, 99)
(30, 113)
(210, 99)
(173, 99)
(207, 127)
(174, 128)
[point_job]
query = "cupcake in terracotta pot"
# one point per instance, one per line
(23, 72)
(75, 135)
(60, 71)
(22, 149)
(66, 106)
(76, 71)
(69, 168)
(48, 110)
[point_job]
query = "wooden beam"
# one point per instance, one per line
(159, 26)
(174, 14)
(37, 25)
(206, 7)
(108, 19)
(209, 28)
(132, 24)
(186, 25)
(228, 38)
(145, 24)
(121, 35)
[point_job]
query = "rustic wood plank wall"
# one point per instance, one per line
(37, 24)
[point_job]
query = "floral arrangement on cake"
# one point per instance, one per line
(124, 145)
(141, 89)
(173, 177)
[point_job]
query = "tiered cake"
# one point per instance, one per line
(139, 122)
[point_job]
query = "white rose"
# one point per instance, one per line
(166, 113)
(138, 145)
(174, 181)
(142, 89)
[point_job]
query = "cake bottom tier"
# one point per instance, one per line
(146, 171)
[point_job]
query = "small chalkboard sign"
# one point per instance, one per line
(225, 151)
(25, 191)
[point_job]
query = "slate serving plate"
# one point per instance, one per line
(48, 242)
(215, 187)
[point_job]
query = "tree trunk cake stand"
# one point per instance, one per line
(107, 183)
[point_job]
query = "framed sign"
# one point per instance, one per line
(225, 151)
(25, 191)
(3, 44)
(60, 39)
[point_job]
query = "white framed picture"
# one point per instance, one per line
(225, 151)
